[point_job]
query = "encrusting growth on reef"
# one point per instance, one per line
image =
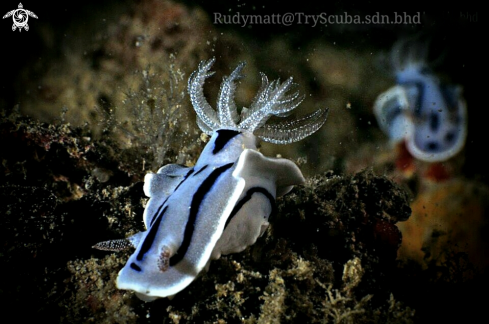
(155, 113)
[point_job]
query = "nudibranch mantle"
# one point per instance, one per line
(222, 204)
(428, 114)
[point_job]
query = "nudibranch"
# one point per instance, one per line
(222, 204)
(429, 115)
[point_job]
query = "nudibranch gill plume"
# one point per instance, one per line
(222, 204)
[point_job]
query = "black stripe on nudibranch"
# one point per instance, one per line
(247, 197)
(157, 213)
(150, 237)
(189, 173)
(420, 86)
(201, 169)
(434, 121)
(449, 137)
(432, 146)
(223, 137)
(135, 266)
(197, 199)
(393, 111)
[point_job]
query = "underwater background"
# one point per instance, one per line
(374, 236)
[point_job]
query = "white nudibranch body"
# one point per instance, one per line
(222, 204)
(429, 115)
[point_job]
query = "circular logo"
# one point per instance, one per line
(20, 17)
